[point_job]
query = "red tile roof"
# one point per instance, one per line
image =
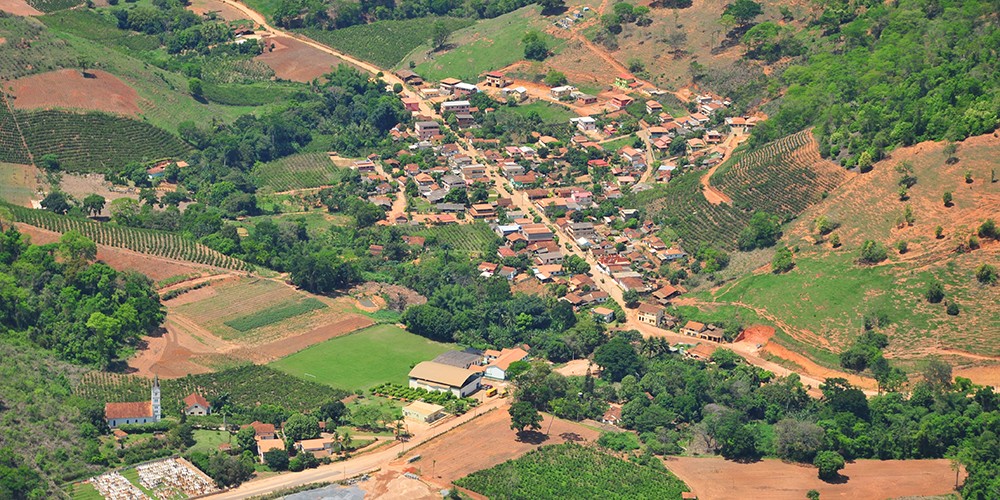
(195, 399)
(128, 410)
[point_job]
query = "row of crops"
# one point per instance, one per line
(396, 391)
(29, 48)
(783, 177)
(96, 141)
(300, 171)
(246, 387)
(236, 70)
(476, 237)
(11, 143)
(384, 43)
(159, 243)
(53, 5)
(572, 470)
(681, 206)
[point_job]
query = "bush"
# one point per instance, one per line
(935, 293)
(782, 261)
(986, 274)
(618, 441)
(872, 252)
(829, 464)
(953, 309)
(946, 198)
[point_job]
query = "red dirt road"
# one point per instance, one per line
(18, 8)
(715, 477)
(67, 88)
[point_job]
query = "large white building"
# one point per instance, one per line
(141, 412)
(444, 378)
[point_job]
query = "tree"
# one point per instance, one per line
(631, 297)
(902, 246)
(743, 11)
(782, 261)
(277, 459)
(195, 88)
(555, 78)
(946, 198)
(397, 87)
(938, 374)
(552, 6)
(299, 427)
(935, 293)
(829, 464)
(988, 229)
(524, 416)
(812, 495)
(865, 162)
(952, 309)
(986, 274)
(50, 162)
(440, 35)
(323, 271)
(93, 204)
(618, 359)
(763, 231)
(57, 202)
(797, 440)
(334, 411)
(535, 48)
(245, 439)
(872, 252)
(725, 358)
(76, 250)
(938, 231)
(835, 240)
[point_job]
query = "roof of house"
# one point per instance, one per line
(441, 373)
(266, 445)
(645, 308)
(694, 325)
(138, 409)
(315, 444)
(260, 428)
(195, 399)
(603, 311)
(450, 81)
(423, 408)
(460, 359)
(508, 356)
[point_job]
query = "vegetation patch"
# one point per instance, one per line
(463, 237)
(274, 314)
(572, 471)
(382, 353)
(300, 171)
(17, 183)
(385, 43)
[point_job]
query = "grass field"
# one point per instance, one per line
(489, 44)
(384, 43)
(208, 441)
(85, 492)
(573, 471)
(253, 304)
(382, 353)
(17, 183)
(549, 112)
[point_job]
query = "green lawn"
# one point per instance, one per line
(274, 314)
(85, 492)
(382, 353)
(489, 44)
(549, 112)
(208, 441)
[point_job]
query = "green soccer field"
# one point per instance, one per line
(382, 353)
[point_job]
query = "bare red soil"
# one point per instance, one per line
(776, 480)
(68, 88)
(294, 60)
(18, 8)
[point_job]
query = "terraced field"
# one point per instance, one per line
(301, 171)
(95, 141)
(784, 178)
(163, 244)
(462, 237)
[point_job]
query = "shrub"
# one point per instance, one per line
(618, 441)
(946, 198)
(986, 274)
(902, 246)
(829, 464)
(938, 231)
(988, 229)
(782, 261)
(953, 309)
(872, 252)
(935, 293)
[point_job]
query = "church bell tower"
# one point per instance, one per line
(155, 398)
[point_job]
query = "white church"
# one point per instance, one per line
(142, 412)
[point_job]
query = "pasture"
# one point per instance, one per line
(490, 44)
(382, 353)
(384, 43)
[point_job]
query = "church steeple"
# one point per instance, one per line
(155, 398)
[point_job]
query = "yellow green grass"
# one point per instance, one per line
(382, 353)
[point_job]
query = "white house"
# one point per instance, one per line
(497, 369)
(196, 404)
(584, 123)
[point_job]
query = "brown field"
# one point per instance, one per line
(223, 11)
(18, 8)
(67, 88)
(712, 478)
(449, 457)
(81, 185)
(294, 60)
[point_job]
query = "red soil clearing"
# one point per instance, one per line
(18, 8)
(756, 334)
(776, 480)
(294, 60)
(224, 11)
(67, 88)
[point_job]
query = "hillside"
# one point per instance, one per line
(827, 294)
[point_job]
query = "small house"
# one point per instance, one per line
(653, 107)
(650, 314)
(584, 123)
(196, 404)
(496, 79)
(447, 85)
(603, 314)
(561, 91)
(620, 102)
(423, 412)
